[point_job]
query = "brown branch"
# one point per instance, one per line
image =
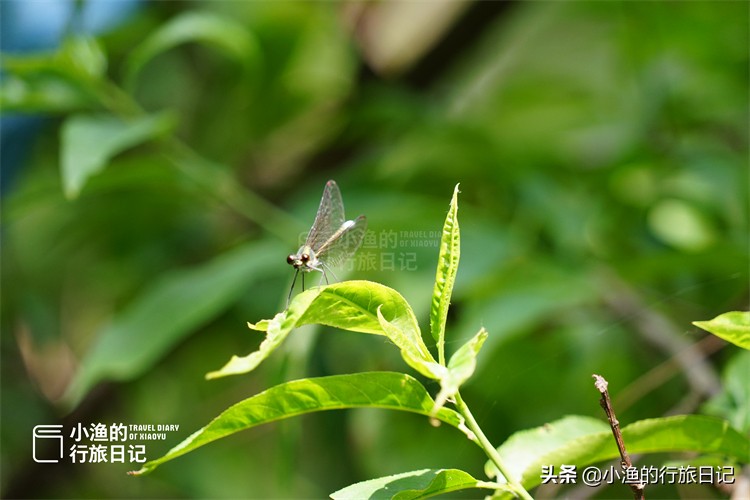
(601, 385)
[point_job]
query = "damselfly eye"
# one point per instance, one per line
(304, 257)
(290, 259)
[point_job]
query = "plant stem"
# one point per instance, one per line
(601, 386)
(490, 450)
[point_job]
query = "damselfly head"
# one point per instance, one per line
(302, 260)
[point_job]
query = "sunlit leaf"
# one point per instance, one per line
(388, 390)
(460, 367)
(276, 330)
(413, 485)
(172, 307)
(450, 251)
(420, 361)
(231, 37)
(585, 446)
(89, 142)
(260, 326)
(733, 327)
(525, 447)
(350, 305)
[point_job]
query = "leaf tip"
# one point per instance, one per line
(260, 326)
(483, 334)
(456, 190)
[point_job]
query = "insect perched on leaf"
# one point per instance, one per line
(332, 239)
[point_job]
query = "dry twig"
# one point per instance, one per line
(601, 386)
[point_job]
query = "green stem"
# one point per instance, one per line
(490, 450)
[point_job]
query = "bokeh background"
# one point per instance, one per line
(160, 160)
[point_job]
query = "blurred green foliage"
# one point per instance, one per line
(602, 153)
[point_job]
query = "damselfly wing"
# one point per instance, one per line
(332, 239)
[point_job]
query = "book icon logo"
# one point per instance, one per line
(49, 454)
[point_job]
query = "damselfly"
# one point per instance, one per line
(332, 239)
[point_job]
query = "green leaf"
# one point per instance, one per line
(260, 326)
(78, 58)
(450, 251)
(42, 93)
(65, 80)
(350, 305)
(524, 447)
(223, 33)
(460, 367)
(576, 442)
(413, 485)
(172, 307)
(389, 390)
(276, 329)
(89, 142)
(733, 402)
(733, 327)
(420, 361)
(84, 56)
